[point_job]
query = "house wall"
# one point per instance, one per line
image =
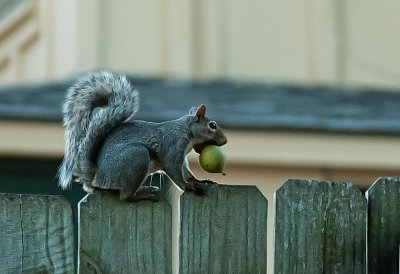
(306, 42)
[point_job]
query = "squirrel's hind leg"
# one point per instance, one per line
(125, 168)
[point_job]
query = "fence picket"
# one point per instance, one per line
(384, 225)
(224, 231)
(120, 237)
(320, 227)
(36, 234)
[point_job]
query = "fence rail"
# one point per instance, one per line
(320, 227)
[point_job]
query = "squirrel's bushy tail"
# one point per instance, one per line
(115, 100)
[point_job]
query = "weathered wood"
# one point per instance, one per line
(320, 227)
(120, 237)
(223, 232)
(171, 194)
(384, 226)
(36, 234)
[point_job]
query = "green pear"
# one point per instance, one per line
(212, 159)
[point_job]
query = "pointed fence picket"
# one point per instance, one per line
(116, 236)
(320, 227)
(384, 226)
(36, 234)
(224, 232)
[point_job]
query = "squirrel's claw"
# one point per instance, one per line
(208, 182)
(196, 188)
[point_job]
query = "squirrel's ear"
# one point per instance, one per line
(201, 111)
(193, 111)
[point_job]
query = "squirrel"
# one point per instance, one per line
(107, 149)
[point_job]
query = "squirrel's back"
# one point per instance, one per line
(94, 106)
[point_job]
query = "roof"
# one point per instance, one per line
(232, 104)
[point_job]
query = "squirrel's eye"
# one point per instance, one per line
(213, 125)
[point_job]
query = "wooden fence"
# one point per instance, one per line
(320, 227)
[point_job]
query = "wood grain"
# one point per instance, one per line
(224, 231)
(320, 227)
(384, 225)
(36, 234)
(120, 237)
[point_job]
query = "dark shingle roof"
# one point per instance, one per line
(235, 105)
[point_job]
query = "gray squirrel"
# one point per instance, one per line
(107, 149)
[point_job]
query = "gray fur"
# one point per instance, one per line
(106, 151)
(82, 130)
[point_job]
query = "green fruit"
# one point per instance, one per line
(212, 159)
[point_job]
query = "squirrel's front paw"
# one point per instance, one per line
(208, 182)
(199, 188)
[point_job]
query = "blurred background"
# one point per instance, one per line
(304, 89)
(302, 42)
